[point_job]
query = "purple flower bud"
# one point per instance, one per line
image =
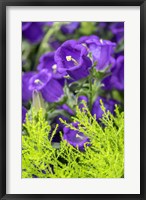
(50, 88)
(24, 111)
(32, 31)
(75, 138)
(71, 58)
(26, 93)
(70, 28)
(109, 104)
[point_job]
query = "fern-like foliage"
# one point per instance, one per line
(102, 158)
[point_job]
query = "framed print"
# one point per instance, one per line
(72, 99)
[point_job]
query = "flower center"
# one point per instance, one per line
(101, 41)
(69, 58)
(37, 81)
(79, 136)
(54, 67)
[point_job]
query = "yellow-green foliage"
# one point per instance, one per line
(104, 158)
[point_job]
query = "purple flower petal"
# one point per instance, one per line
(47, 62)
(26, 93)
(50, 88)
(109, 105)
(80, 99)
(32, 31)
(53, 91)
(101, 50)
(118, 30)
(40, 80)
(75, 138)
(70, 28)
(116, 79)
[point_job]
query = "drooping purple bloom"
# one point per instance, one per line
(24, 111)
(26, 93)
(117, 28)
(116, 79)
(70, 28)
(50, 88)
(71, 58)
(33, 31)
(101, 50)
(75, 138)
(109, 104)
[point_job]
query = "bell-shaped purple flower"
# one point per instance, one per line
(26, 93)
(33, 31)
(70, 28)
(101, 50)
(116, 79)
(24, 111)
(75, 138)
(71, 58)
(50, 88)
(109, 104)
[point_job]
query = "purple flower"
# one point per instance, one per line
(67, 113)
(101, 50)
(70, 28)
(86, 39)
(55, 44)
(24, 111)
(50, 88)
(49, 23)
(33, 31)
(80, 99)
(67, 109)
(47, 62)
(116, 79)
(109, 104)
(26, 93)
(71, 58)
(103, 24)
(75, 138)
(118, 30)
